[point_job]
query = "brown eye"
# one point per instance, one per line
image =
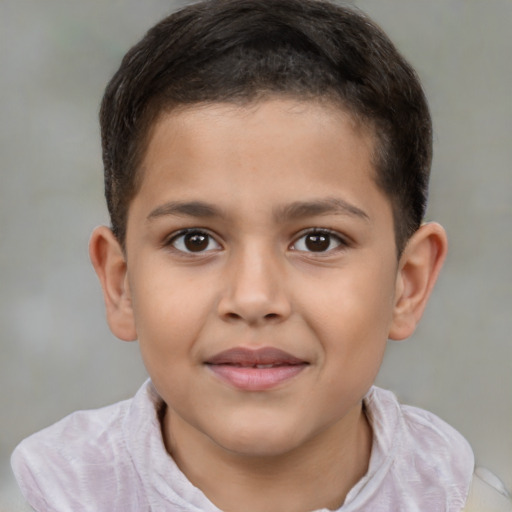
(194, 242)
(318, 241)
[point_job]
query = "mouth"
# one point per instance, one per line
(255, 370)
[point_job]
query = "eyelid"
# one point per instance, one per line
(169, 240)
(344, 242)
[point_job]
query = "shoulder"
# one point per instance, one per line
(430, 435)
(485, 492)
(83, 454)
(430, 463)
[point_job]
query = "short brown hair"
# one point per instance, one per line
(244, 50)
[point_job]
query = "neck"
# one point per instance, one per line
(318, 474)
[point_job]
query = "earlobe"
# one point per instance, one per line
(109, 262)
(418, 270)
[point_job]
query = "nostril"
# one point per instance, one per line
(270, 317)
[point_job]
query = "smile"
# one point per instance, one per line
(255, 370)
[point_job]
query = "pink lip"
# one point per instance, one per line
(242, 367)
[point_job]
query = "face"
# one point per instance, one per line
(261, 270)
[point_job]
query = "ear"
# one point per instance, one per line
(109, 262)
(418, 269)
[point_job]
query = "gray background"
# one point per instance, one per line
(57, 354)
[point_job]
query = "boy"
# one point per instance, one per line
(266, 171)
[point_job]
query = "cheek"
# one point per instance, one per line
(170, 311)
(352, 318)
(357, 301)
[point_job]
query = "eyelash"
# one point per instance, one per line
(322, 232)
(328, 235)
(172, 240)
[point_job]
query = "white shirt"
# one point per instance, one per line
(113, 460)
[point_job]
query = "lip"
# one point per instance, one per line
(255, 369)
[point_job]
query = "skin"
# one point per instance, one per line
(256, 181)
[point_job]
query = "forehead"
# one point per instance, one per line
(277, 149)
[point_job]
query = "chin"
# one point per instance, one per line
(253, 440)
(258, 448)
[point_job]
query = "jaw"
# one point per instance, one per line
(268, 455)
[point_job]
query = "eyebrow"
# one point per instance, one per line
(188, 209)
(293, 211)
(328, 206)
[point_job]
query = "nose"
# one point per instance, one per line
(255, 289)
